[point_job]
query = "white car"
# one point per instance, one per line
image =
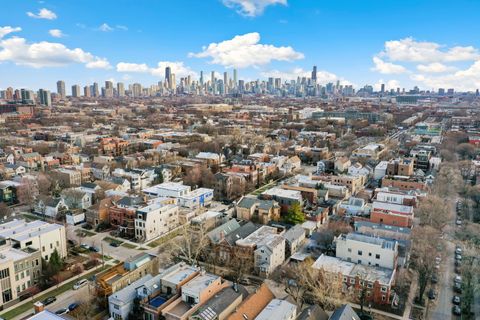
(80, 284)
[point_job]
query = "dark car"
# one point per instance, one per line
(49, 300)
(456, 300)
(457, 287)
(456, 310)
(114, 244)
(94, 249)
(73, 306)
(431, 294)
(434, 279)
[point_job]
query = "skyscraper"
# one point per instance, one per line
(382, 90)
(108, 89)
(168, 73)
(44, 97)
(120, 89)
(75, 91)
(95, 92)
(212, 82)
(314, 74)
(61, 88)
(201, 78)
(235, 80)
(86, 92)
(225, 82)
(172, 81)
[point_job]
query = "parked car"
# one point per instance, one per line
(456, 300)
(459, 222)
(85, 246)
(62, 311)
(458, 250)
(114, 244)
(49, 300)
(456, 310)
(434, 279)
(431, 294)
(80, 283)
(457, 287)
(458, 279)
(73, 306)
(458, 263)
(458, 257)
(94, 249)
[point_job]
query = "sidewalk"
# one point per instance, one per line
(37, 297)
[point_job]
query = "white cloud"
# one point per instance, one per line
(56, 33)
(410, 50)
(132, 67)
(46, 54)
(105, 27)
(178, 68)
(43, 14)
(435, 67)
(462, 80)
(121, 27)
(8, 29)
(251, 8)
(387, 67)
(245, 51)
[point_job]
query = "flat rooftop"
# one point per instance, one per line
(199, 283)
(20, 230)
(262, 236)
(177, 273)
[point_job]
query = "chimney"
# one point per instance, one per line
(38, 307)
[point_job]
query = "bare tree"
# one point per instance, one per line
(5, 210)
(191, 244)
(448, 181)
(304, 283)
(424, 251)
(44, 184)
(435, 212)
(27, 192)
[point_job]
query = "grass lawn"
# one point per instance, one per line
(31, 217)
(164, 239)
(129, 245)
(61, 289)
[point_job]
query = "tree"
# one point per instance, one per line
(137, 310)
(191, 244)
(295, 214)
(448, 181)
(44, 184)
(306, 284)
(424, 251)
(55, 262)
(27, 192)
(5, 211)
(434, 211)
(466, 151)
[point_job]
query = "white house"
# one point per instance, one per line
(367, 250)
(168, 189)
(279, 310)
(154, 220)
(380, 170)
(120, 303)
(50, 206)
(269, 249)
(37, 234)
(197, 198)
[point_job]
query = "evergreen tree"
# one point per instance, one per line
(295, 214)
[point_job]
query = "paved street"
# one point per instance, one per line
(442, 307)
(64, 300)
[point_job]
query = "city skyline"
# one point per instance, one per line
(354, 43)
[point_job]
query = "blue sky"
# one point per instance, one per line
(429, 43)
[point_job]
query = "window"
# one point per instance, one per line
(384, 289)
(377, 256)
(349, 249)
(383, 297)
(43, 248)
(4, 273)
(51, 245)
(116, 307)
(370, 285)
(369, 254)
(359, 261)
(360, 252)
